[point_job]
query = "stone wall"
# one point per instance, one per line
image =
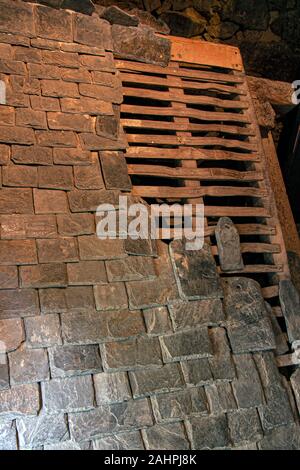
(111, 344)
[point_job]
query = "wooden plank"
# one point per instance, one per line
(127, 65)
(187, 112)
(216, 191)
(190, 141)
(205, 174)
(142, 94)
(254, 248)
(187, 126)
(195, 51)
(245, 229)
(172, 82)
(258, 269)
(188, 153)
(270, 292)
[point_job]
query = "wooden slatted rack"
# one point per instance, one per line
(193, 136)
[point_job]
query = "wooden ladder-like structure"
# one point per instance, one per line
(193, 136)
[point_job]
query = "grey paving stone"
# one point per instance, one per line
(8, 436)
(111, 387)
(180, 405)
(189, 315)
(166, 437)
(247, 386)
(41, 430)
(221, 363)
(123, 441)
(28, 365)
(197, 372)
(67, 445)
(220, 397)
(282, 438)
(295, 381)
(187, 344)
(110, 419)
(19, 401)
(244, 425)
(131, 354)
(69, 394)
(43, 331)
(229, 248)
(71, 360)
(209, 432)
(157, 380)
(290, 304)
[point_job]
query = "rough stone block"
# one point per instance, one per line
(132, 268)
(247, 387)
(220, 397)
(18, 303)
(16, 201)
(257, 336)
(190, 344)
(244, 425)
(92, 248)
(33, 155)
(186, 315)
(43, 331)
(8, 436)
(76, 76)
(28, 365)
(197, 372)
(60, 89)
(89, 106)
(124, 441)
(44, 275)
(50, 201)
(140, 44)
(109, 419)
(295, 381)
(94, 327)
(4, 374)
(11, 334)
(96, 142)
(72, 157)
(4, 154)
(66, 361)
(44, 103)
(18, 252)
(71, 394)
(56, 251)
(196, 272)
(89, 177)
(56, 177)
(157, 321)
(75, 224)
(290, 304)
(115, 15)
(62, 59)
(229, 249)
(19, 401)
(7, 115)
(69, 299)
(56, 138)
(111, 387)
(109, 126)
(67, 122)
(159, 380)
(92, 31)
(150, 293)
(166, 437)
(43, 71)
(86, 273)
(115, 171)
(31, 118)
(88, 201)
(41, 430)
(8, 277)
(17, 17)
(131, 354)
(283, 438)
(110, 94)
(19, 176)
(54, 24)
(111, 296)
(209, 432)
(28, 226)
(180, 405)
(221, 363)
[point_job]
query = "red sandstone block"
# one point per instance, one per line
(48, 44)
(43, 71)
(16, 135)
(18, 303)
(75, 224)
(62, 59)
(44, 103)
(86, 106)
(92, 248)
(5, 51)
(22, 176)
(31, 118)
(89, 177)
(27, 85)
(95, 142)
(57, 251)
(44, 275)
(54, 24)
(16, 201)
(26, 54)
(56, 177)
(59, 89)
(56, 138)
(86, 273)
(113, 95)
(49, 201)
(17, 252)
(8, 277)
(4, 154)
(17, 226)
(104, 64)
(32, 155)
(14, 39)
(92, 31)
(72, 157)
(106, 79)
(77, 76)
(16, 17)
(12, 67)
(65, 121)
(7, 116)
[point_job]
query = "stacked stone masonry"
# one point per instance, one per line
(107, 344)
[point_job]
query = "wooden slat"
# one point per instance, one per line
(188, 153)
(216, 191)
(186, 140)
(254, 248)
(187, 112)
(205, 174)
(270, 292)
(188, 99)
(172, 82)
(245, 229)
(188, 127)
(258, 269)
(127, 65)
